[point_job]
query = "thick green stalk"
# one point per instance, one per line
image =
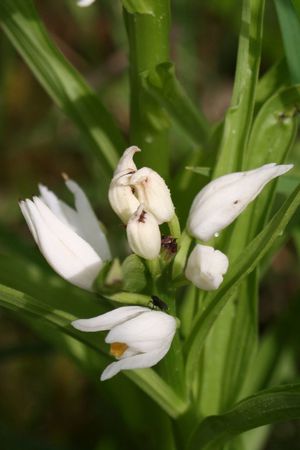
(148, 36)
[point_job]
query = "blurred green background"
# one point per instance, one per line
(46, 402)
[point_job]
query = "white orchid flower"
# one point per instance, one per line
(131, 187)
(70, 239)
(138, 336)
(206, 267)
(84, 3)
(219, 203)
(143, 234)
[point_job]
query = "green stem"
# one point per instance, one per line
(148, 36)
(180, 258)
(174, 226)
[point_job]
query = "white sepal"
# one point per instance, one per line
(70, 239)
(152, 191)
(84, 3)
(206, 267)
(146, 336)
(121, 198)
(143, 234)
(67, 253)
(126, 163)
(219, 203)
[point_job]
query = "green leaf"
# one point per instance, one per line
(205, 171)
(242, 343)
(278, 404)
(290, 30)
(65, 86)
(134, 275)
(277, 77)
(138, 6)
(239, 116)
(242, 267)
(163, 85)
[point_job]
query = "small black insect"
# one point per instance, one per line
(157, 303)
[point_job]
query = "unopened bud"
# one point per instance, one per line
(206, 267)
(143, 234)
(223, 199)
(152, 191)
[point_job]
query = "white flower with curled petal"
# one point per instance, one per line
(138, 337)
(219, 203)
(206, 267)
(143, 234)
(70, 239)
(130, 187)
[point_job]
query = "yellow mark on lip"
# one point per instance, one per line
(117, 349)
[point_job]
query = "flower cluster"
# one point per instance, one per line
(142, 200)
(76, 247)
(215, 207)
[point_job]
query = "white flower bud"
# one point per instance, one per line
(121, 194)
(138, 337)
(143, 234)
(152, 191)
(219, 203)
(206, 267)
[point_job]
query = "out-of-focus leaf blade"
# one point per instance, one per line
(290, 29)
(65, 86)
(242, 267)
(276, 78)
(270, 406)
(162, 83)
(138, 6)
(239, 116)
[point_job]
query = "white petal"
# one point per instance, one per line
(152, 191)
(153, 327)
(222, 200)
(62, 211)
(27, 217)
(68, 254)
(143, 234)
(126, 162)
(121, 199)
(206, 267)
(140, 361)
(110, 319)
(84, 3)
(90, 229)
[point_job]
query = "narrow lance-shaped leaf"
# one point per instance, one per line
(270, 406)
(162, 84)
(252, 255)
(63, 83)
(290, 29)
(239, 116)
